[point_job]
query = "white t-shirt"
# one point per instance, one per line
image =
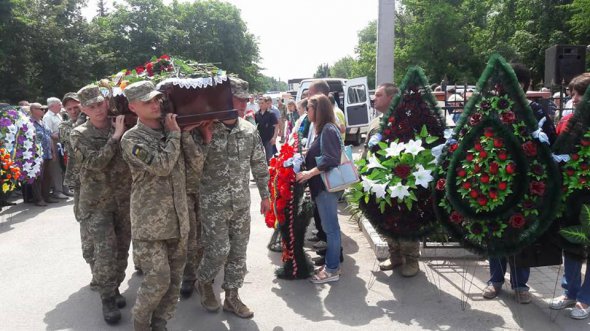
(52, 121)
(569, 108)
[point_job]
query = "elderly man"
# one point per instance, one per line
(103, 207)
(224, 201)
(52, 119)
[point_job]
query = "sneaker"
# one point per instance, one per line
(491, 292)
(320, 245)
(580, 313)
(523, 297)
(322, 276)
(561, 302)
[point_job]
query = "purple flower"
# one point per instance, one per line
(485, 105)
(12, 113)
(21, 139)
(24, 128)
(19, 153)
(503, 103)
(4, 122)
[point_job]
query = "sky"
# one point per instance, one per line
(295, 36)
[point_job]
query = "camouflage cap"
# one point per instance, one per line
(239, 88)
(141, 91)
(90, 94)
(70, 96)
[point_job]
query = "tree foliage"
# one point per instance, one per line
(48, 48)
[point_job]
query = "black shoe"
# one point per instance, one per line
(138, 271)
(120, 300)
(110, 312)
(186, 288)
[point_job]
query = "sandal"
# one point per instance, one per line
(322, 276)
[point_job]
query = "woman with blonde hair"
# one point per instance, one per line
(327, 149)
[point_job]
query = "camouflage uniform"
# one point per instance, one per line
(159, 217)
(193, 156)
(72, 180)
(103, 205)
(224, 199)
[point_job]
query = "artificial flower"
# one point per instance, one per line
(414, 147)
(400, 191)
(394, 149)
(423, 177)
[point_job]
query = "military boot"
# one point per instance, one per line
(186, 288)
(159, 324)
(120, 299)
(395, 257)
(232, 303)
(139, 326)
(110, 312)
(208, 299)
(410, 250)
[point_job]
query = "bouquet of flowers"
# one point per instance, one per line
(18, 140)
(9, 172)
(291, 210)
(394, 193)
(497, 185)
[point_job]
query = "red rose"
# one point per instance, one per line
(387, 132)
(498, 143)
(476, 168)
(469, 157)
(139, 69)
(570, 172)
(488, 132)
(502, 156)
(507, 117)
(402, 171)
(483, 154)
(391, 119)
(478, 147)
(150, 68)
(473, 194)
(482, 201)
(494, 167)
(456, 217)
(575, 157)
(493, 194)
(530, 149)
(537, 188)
(440, 184)
(453, 147)
(585, 142)
(528, 204)
(517, 221)
(510, 168)
(475, 119)
(502, 186)
(485, 178)
(466, 185)
(584, 166)
(461, 173)
(537, 169)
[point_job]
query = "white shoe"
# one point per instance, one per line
(561, 302)
(580, 313)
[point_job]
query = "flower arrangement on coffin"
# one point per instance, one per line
(18, 139)
(9, 172)
(291, 211)
(394, 194)
(496, 184)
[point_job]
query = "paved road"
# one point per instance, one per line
(44, 286)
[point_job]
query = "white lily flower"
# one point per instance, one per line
(400, 191)
(423, 176)
(367, 184)
(414, 147)
(28, 144)
(374, 163)
(27, 155)
(380, 190)
(394, 149)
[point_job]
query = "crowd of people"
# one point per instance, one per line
(182, 195)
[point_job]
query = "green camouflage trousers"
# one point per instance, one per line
(403, 247)
(162, 262)
(194, 251)
(225, 240)
(110, 234)
(85, 237)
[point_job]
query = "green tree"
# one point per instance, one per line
(366, 52)
(323, 71)
(343, 68)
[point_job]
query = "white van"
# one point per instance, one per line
(352, 96)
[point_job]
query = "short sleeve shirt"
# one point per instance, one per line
(265, 123)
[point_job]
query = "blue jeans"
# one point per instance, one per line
(327, 204)
(518, 276)
(268, 150)
(572, 280)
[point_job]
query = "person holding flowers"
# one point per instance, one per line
(327, 147)
(41, 184)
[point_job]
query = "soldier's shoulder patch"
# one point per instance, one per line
(142, 154)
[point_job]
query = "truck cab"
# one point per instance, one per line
(352, 96)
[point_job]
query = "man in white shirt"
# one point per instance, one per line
(52, 119)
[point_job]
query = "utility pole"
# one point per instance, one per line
(385, 42)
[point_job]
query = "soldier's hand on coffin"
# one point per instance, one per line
(170, 123)
(264, 206)
(206, 131)
(119, 122)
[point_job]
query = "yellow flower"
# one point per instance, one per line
(5, 188)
